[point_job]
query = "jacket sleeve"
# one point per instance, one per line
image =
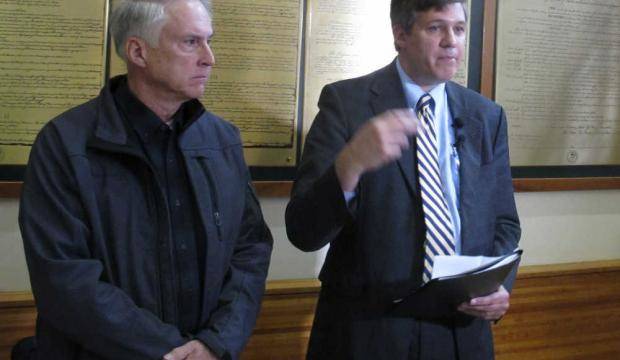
(507, 227)
(231, 323)
(65, 278)
(317, 211)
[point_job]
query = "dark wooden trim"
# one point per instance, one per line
(10, 189)
(576, 268)
(283, 188)
(15, 299)
(263, 188)
(566, 184)
(487, 67)
(273, 188)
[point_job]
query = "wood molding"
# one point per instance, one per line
(562, 311)
(487, 66)
(575, 268)
(283, 188)
(566, 184)
(12, 189)
(16, 299)
(273, 188)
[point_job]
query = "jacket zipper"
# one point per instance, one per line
(217, 217)
(154, 213)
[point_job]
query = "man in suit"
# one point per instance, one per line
(359, 189)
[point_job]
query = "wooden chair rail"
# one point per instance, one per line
(283, 188)
(565, 311)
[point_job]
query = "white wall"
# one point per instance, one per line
(557, 227)
(569, 226)
(13, 272)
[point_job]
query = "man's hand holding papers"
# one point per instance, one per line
(490, 307)
(469, 284)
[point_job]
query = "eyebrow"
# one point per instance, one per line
(441, 21)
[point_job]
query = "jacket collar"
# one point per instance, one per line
(112, 133)
(110, 126)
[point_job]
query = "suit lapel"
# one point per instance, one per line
(469, 136)
(388, 94)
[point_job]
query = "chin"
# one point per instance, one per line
(447, 75)
(195, 93)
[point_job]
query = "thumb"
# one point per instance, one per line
(179, 353)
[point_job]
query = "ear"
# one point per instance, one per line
(399, 36)
(137, 51)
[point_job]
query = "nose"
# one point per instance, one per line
(449, 38)
(207, 58)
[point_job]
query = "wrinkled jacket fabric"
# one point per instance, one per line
(96, 232)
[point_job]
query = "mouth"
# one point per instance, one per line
(447, 59)
(200, 78)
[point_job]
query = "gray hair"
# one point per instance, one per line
(140, 18)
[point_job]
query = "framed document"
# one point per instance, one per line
(557, 77)
(52, 57)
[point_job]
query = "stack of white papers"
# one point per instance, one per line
(445, 266)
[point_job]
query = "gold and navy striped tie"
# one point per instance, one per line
(439, 228)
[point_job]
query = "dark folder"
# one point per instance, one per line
(440, 297)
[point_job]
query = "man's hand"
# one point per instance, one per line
(490, 307)
(193, 350)
(378, 142)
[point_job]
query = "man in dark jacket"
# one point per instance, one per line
(387, 201)
(143, 236)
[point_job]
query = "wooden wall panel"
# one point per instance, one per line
(563, 315)
(17, 320)
(283, 326)
(562, 312)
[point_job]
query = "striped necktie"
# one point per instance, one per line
(439, 229)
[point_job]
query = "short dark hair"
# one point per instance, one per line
(402, 12)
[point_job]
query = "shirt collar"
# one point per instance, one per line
(413, 92)
(144, 121)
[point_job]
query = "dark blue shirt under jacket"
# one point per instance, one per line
(160, 145)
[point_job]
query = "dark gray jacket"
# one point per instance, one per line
(96, 232)
(377, 242)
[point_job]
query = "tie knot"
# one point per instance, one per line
(425, 101)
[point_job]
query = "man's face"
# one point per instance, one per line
(433, 49)
(180, 66)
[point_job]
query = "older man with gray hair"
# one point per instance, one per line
(143, 235)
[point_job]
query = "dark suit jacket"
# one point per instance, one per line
(376, 244)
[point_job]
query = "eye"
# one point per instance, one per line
(433, 28)
(191, 41)
(459, 29)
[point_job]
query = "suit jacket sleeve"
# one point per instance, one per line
(507, 228)
(66, 279)
(317, 211)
